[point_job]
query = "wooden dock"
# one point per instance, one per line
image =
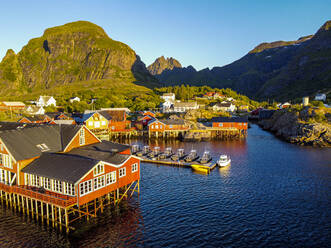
(169, 162)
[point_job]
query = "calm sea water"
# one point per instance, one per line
(274, 194)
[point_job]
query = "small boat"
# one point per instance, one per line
(166, 154)
(135, 149)
(200, 168)
(206, 158)
(155, 153)
(180, 154)
(224, 160)
(144, 151)
(192, 156)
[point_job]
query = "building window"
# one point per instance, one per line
(90, 123)
(69, 189)
(244, 124)
(85, 187)
(99, 169)
(99, 182)
(1, 162)
(170, 126)
(82, 136)
(7, 162)
(57, 186)
(220, 125)
(134, 167)
(121, 172)
(1, 147)
(26, 178)
(111, 177)
(47, 183)
(103, 123)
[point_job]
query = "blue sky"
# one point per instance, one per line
(199, 33)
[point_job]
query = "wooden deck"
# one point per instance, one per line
(181, 163)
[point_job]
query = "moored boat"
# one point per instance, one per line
(144, 151)
(200, 168)
(224, 160)
(206, 158)
(155, 153)
(135, 149)
(166, 154)
(180, 154)
(192, 156)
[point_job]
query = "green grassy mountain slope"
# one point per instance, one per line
(279, 70)
(67, 55)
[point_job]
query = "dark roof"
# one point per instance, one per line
(105, 151)
(172, 121)
(35, 118)
(60, 166)
(229, 119)
(80, 118)
(106, 114)
(22, 143)
(55, 115)
(16, 125)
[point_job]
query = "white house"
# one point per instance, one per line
(168, 97)
(34, 110)
(225, 107)
(46, 101)
(180, 107)
(74, 99)
(320, 97)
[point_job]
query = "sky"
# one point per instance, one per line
(203, 33)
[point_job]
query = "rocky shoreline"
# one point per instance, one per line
(296, 128)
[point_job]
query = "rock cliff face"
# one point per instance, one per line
(162, 64)
(78, 51)
(291, 127)
(280, 70)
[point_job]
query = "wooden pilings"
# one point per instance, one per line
(61, 217)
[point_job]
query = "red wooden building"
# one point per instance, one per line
(65, 167)
(240, 123)
(36, 119)
(167, 125)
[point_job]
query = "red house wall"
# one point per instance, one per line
(231, 124)
(120, 182)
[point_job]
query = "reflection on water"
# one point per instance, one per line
(273, 194)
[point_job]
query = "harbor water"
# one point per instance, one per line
(273, 194)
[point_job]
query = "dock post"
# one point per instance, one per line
(60, 218)
(47, 214)
(42, 211)
(31, 207)
(27, 206)
(66, 220)
(87, 216)
(37, 214)
(23, 210)
(52, 209)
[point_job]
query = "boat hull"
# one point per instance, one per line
(224, 163)
(200, 168)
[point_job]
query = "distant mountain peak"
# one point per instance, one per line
(268, 45)
(161, 64)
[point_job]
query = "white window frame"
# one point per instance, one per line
(103, 123)
(111, 178)
(122, 172)
(85, 187)
(99, 169)
(134, 167)
(99, 182)
(57, 186)
(7, 161)
(69, 189)
(220, 124)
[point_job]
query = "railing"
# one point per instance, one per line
(5, 187)
(46, 196)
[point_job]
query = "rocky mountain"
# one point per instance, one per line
(75, 52)
(279, 70)
(162, 64)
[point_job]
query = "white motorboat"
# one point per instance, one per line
(224, 160)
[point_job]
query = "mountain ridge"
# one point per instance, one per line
(277, 70)
(73, 52)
